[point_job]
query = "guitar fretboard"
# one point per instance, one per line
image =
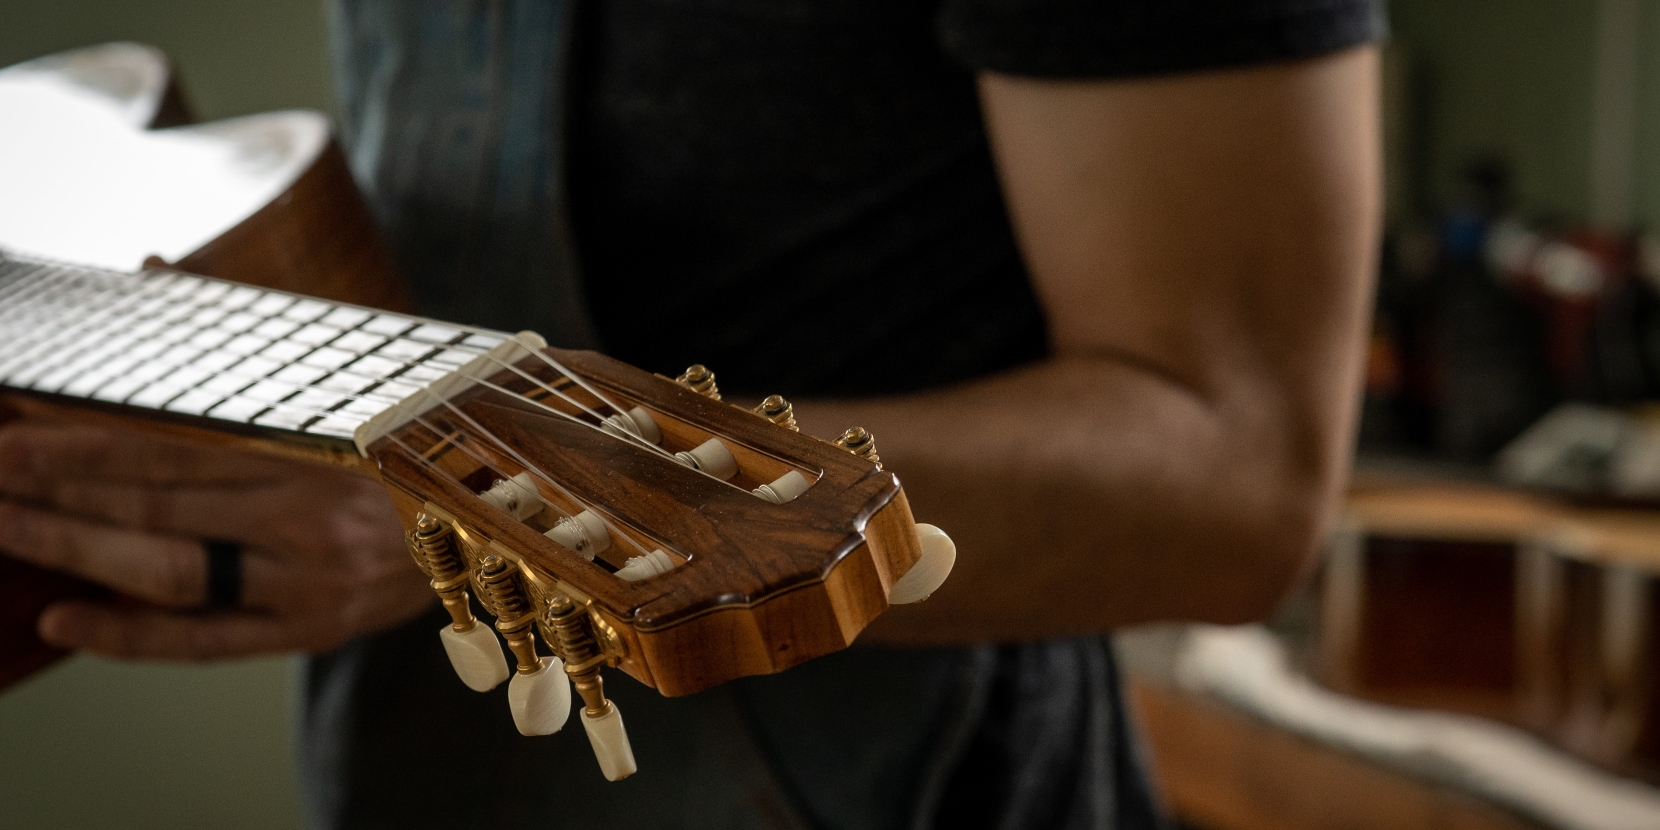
(204, 348)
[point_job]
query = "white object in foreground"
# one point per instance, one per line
(939, 555)
(541, 700)
(610, 742)
(1246, 666)
(476, 656)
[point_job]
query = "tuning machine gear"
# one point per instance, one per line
(579, 639)
(538, 694)
(473, 650)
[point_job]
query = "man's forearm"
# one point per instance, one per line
(1086, 493)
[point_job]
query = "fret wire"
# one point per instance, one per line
(56, 290)
(99, 299)
(7, 365)
(26, 287)
(168, 312)
(156, 287)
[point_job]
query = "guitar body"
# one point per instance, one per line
(317, 237)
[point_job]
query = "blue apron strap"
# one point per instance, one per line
(453, 121)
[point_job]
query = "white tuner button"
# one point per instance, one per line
(641, 567)
(711, 457)
(476, 656)
(939, 553)
(638, 423)
(584, 533)
(517, 496)
(786, 488)
(540, 700)
(610, 742)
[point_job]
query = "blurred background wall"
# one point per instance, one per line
(94, 743)
(236, 58)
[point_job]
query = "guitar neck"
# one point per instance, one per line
(215, 354)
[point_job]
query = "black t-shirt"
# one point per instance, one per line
(799, 194)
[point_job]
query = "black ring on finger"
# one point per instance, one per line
(224, 574)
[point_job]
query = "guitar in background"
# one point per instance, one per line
(100, 166)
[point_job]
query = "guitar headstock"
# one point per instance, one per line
(640, 522)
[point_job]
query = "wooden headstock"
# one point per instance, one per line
(756, 586)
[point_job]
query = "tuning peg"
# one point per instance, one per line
(778, 411)
(541, 699)
(516, 496)
(699, 379)
(925, 577)
(538, 695)
(473, 650)
(601, 718)
(862, 444)
(609, 738)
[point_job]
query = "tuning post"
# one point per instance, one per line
(601, 718)
(636, 422)
(699, 379)
(778, 411)
(538, 696)
(861, 443)
(784, 488)
(645, 566)
(516, 496)
(711, 457)
(474, 652)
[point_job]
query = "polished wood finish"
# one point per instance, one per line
(763, 586)
(318, 238)
(1223, 770)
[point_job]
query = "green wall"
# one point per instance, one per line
(236, 57)
(93, 744)
(1499, 76)
(1516, 78)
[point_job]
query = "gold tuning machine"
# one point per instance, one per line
(512, 609)
(473, 650)
(578, 640)
(434, 547)
(778, 411)
(699, 379)
(577, 643)
(538, 695)
(861, 443)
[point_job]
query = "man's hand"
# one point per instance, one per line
(324, 557)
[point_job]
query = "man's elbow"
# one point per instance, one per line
(1277, 549)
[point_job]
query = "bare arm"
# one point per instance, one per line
(1203, 247)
